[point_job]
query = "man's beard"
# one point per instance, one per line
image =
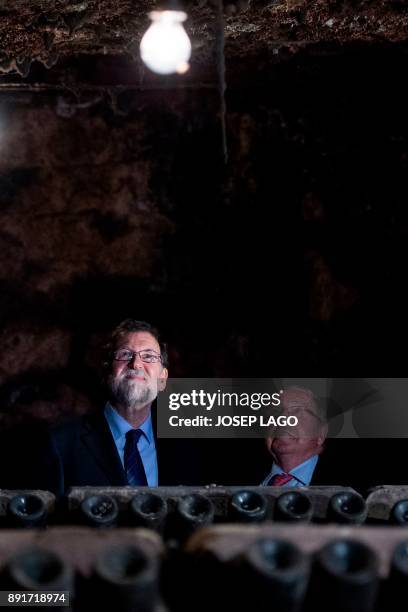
(128, 392)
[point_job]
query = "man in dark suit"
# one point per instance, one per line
(117, 446)
(296, 450)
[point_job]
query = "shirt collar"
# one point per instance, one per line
(119, 426)
(302, 472)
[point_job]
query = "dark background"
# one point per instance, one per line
(289, 259)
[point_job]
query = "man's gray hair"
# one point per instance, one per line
(318, 404)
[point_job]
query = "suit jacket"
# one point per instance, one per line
(82, 452)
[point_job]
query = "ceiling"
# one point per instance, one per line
(53, 44)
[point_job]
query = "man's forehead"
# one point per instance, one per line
(138, 341)
(297, 398)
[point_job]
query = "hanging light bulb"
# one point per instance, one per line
(165, 48)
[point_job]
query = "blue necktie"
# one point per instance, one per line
(135, 473)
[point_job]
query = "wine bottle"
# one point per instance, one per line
(148, 510)
(292, 507)
(345, 578)
(37, 569)
(247, 506)
(393, 590)
(99, 511)
(192, 512)
(26, 510)
(399, 513)
(347, 507)
(275, 575)
(124, 579)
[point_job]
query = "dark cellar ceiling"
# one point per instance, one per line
(52, 44)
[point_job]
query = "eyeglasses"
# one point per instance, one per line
(146, 356)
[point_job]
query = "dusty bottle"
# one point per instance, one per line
(347, 507)
(148, 510)
(124, 579)
(37, 569)
(26, 510)
(394, 589)
(247, 506)
(292, 507)
(192, 512)
(344, 578)
(275, 575)
(99, 511)
(399, 513)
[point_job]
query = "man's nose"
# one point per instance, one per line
(136, 362)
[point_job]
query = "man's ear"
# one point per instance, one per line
(324, 430)
(163, 379)
(268, 443)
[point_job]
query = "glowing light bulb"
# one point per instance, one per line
(165, 48)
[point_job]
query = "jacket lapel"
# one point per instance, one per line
(157, 442)
(164, 453)
(97, 438)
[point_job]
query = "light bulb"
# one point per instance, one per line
(165, 48)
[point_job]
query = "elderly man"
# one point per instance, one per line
(296, 450)
(116, 445)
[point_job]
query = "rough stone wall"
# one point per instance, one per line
(291, 257)
(76, 206)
